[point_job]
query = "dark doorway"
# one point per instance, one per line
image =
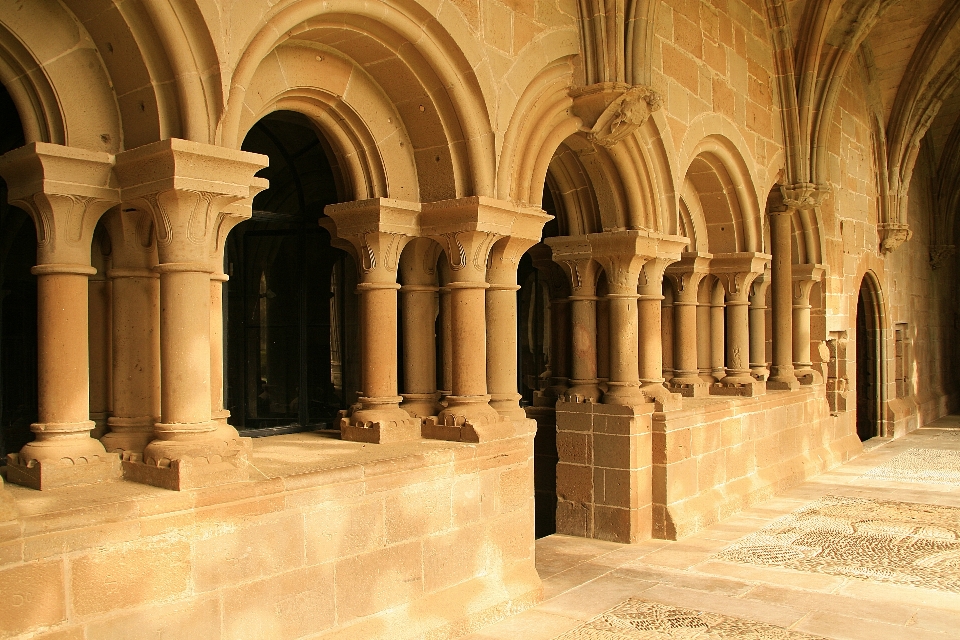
(289, 342)
(18, 304)
(868, 359)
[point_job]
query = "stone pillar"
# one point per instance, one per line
(136, 331)
(781, 371)
(649, 323)
(420, 304)
(736, 272)
(378, 229)
(622, 255)
(666, 330)
(573, 254)
(717, 332)
(65, 191)
(501, 308)
(603, 335)
(446, 332)
(685, 277)
(804, 277)
(758, 326)
(467, 229)
(99, 321)
(186, 187)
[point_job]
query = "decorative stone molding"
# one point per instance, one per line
(940, 253)
(803, 195)
(892, 235)
(611, 111)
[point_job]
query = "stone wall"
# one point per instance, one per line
(335, 540)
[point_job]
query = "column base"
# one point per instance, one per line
(421, 405)
(663, 398)
(434, 429)
(624, 394)
(190, 472)
(100, 425)
(782, 378)
(507, 405)
(583, 391)
(128, 434)
(379, 421)
(50, 474)
(691, 386)
(743, 388)
(807, 376)
(760, 373)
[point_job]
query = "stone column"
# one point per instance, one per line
(378, 229)
(467, 229)
(99, 321)
(573, 254)
(736, 272)
(622, 255)
(136, 331)
(717, 332)
(186, 187)
(758, 326)
(65, 191)
(649, 323)
(685, 277)
(557, 341)
(804, 277)
(781, 371)
(501, 309)
(446, 332)
(666, 330)
(420, 304)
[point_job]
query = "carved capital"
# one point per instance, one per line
(804, 277)
(622, 255)
(686, 274)
(892, 235)
(803, 195)
(737, 271)
(939, 253)
(611, 111)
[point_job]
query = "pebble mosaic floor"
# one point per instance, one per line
(882, 540)
(921, 465)
(636, 619)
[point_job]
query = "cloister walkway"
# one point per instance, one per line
(869, 550)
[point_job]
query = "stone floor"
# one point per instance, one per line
(869, 550)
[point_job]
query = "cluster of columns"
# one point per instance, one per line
(170, 206)
(476, 243)
(681, 322)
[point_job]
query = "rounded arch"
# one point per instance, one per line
(578, 212)
(415, 62)
(57, 80)
(870, 328)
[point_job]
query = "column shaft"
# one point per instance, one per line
(501, 311)
(758, 330)
(583, 334)
(781, 374)
(420, 308)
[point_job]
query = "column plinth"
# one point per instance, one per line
(65, 191)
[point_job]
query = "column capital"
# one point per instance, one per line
(622, 255)
(65, 190)
(737, 271)
(377, 229)
(802, 195)
(669, 251)
(418, 263)
(575, 256)
(187, 187)
(687, 273)
(804, 277)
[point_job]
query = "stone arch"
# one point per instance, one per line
(57, 80)
(870, 326)
(577, 207)
(415, 63)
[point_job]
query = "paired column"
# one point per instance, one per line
(685, 277)
(185, 187)
(556, 384)
(736, 273)
(378, 230)
(419, 303)
(649, 322)
(758, 326)
(781, 276)
(136, 331)
(65, 191)
(804, 277)
(622, 255)
(574, 255)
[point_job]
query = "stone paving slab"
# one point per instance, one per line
(921, 465)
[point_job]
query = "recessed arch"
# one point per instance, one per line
(870, 326)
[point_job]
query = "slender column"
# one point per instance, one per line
(136, 331)
(603, 335)
(758, 326)
(666, 330)
(378, 229)
(573, 254)
(705, 331)
(65, 191)
(717, 332)
(187, 188)
(419, 302)
(804, 277)
(736, 273)
(99, 314)
(622, 255)
(557, 340)
(501, 309)
(685, 278)
(649, 323)
(781, 372)
(446, 342)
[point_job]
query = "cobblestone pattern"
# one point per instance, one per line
(636, 619)
(886, 541)
(920, 465)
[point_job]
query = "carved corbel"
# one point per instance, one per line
(804, 195)
(892, 235)
(611, 111)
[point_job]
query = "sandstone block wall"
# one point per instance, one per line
(423, 539)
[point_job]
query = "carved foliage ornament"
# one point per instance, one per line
(892, 235)
(624, 115)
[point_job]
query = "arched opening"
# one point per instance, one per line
(18, 304)
(290, 355)
(869, 360)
